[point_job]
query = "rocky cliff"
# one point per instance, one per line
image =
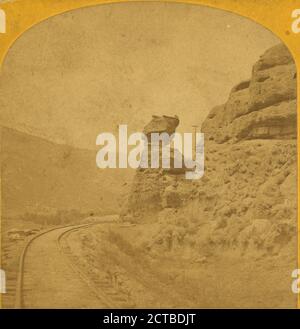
(246, 202)
(262, 107)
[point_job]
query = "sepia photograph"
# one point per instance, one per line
(148, 160)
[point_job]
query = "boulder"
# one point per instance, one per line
(160, 124)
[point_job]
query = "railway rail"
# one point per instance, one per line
(103, 292)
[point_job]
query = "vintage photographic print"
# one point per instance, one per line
(148, 160)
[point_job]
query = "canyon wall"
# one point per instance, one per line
(247, 199)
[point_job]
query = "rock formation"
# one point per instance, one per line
(160, 124)
(153, 189)
(263, 107)
(246, 202)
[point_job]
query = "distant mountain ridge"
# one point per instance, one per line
(39, 175)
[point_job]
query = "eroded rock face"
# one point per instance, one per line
(263, 107)
(246, 203)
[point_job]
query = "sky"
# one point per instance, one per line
(86, 71)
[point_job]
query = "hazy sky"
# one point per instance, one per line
(86, 71)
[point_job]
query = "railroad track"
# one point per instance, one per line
(104, 289)
(19, 286)
(58, 275)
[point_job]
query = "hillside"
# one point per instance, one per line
(39, 176)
